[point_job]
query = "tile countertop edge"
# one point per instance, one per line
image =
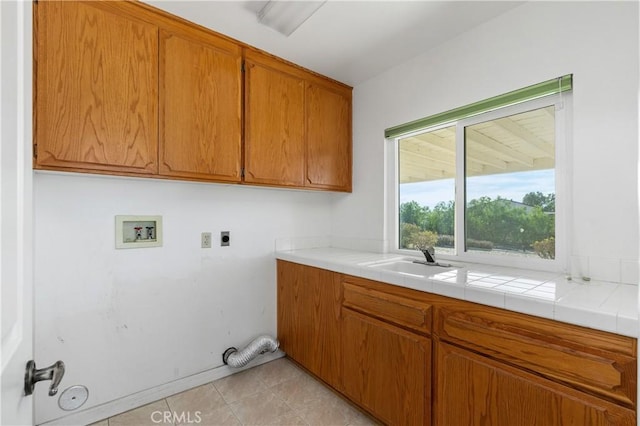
(604, 306)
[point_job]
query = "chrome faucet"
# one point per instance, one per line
(429, 254)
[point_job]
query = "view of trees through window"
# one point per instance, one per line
(525, 226)
(509, 186)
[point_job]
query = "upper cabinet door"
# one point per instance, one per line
(96, 88)
(274, 122)
(328, 138)
(200, 107)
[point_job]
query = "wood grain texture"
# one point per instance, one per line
(96, 89)
(395, 290)
(200, 108)
(109, 100)
(600, 363)
(493, 367)
(387, 370)
(402, 311)
(328, 156)
(475, 390)
(274, 123)
(309, 301)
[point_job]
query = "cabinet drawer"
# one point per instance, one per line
(473, 389)
(388, 307)
(597, 362)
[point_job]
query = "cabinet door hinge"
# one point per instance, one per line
(35, 151)
(242, 67)
(242, 172)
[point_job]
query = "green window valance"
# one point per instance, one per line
(549, 87)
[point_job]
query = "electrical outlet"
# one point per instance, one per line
(225, 238)
(205, 240)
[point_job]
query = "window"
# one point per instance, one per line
(486, 186)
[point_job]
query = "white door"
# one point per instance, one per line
(15, 210)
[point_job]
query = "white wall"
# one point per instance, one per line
(598, 43)
(127, 320)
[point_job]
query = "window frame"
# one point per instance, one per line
(563, 169)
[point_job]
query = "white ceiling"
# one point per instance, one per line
(350, 41)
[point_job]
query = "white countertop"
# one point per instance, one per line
(600, 305)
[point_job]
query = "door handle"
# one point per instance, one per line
(53, 373)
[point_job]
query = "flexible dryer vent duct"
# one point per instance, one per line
(234, 358)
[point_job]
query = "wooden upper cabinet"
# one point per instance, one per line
(297, 126)
(200, 107)
(96, 88)
(274, 122)
(328, 137)
(124, 88)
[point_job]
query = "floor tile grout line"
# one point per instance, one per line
(166, 402)
(226, 403)
(235, 416)
(269, 388)
(293, 410)
(302, 375)
(233, 413)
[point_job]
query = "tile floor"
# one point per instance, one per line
(275, 393)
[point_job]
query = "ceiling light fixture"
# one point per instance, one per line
(286, 16)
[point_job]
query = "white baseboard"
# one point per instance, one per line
(129, 402)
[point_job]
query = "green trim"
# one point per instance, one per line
(549, 87)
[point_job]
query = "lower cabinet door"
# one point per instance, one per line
(386, 369)
(309, 318)
(471, 389)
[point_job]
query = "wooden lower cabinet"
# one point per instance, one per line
(386, 369)
(595, 362)
(309, 318)
(471, 389)
(414, 358)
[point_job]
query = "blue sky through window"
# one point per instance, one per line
(512, 186)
